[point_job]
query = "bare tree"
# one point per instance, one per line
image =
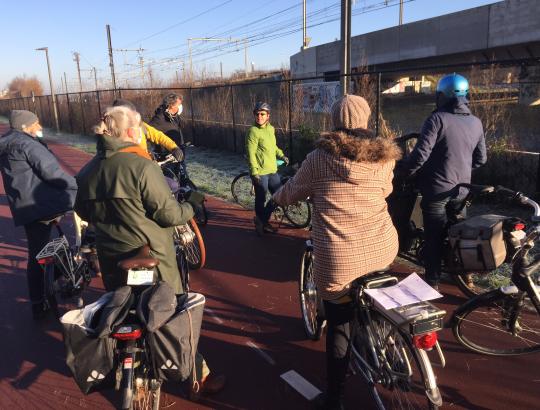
(24, 86)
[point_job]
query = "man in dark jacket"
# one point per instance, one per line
(38, 191)
(450, 146)
(167, 118)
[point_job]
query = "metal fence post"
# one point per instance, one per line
(192, 115)
(233, 117)
(291, 156)
(378, 104)
(98, 103)
(82, 113)
(69, 114)
(50, 110)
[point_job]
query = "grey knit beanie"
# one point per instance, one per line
(350, 112)
(20, 119)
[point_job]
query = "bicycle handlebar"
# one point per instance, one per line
(521, 199)
(168, 158)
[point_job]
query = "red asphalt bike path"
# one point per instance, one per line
(252, 329)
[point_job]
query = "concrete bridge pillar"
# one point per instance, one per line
(529, 85)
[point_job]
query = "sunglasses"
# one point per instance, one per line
(261, 114)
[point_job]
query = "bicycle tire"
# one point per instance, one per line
(242, 191)
(147, 395)
(309, 301)
(400, 381)
(476, 283)
(201, 214)
(482, 325)
(49, 294)
(299, 214)
(196, 250)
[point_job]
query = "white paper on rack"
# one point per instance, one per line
(410, 290)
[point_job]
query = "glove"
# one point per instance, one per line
(178, 154)
(286, 160)
(195, 198)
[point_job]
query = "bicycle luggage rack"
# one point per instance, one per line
(59, 248)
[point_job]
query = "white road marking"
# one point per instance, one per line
(211, 313)
(261, 352)
(301, 385)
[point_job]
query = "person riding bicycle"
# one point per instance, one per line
(450, 146)
(124, 194)
(38, 190)
(348, 177)
(152, 134)
(261, 152)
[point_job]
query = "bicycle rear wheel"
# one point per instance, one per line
(146, 394)
(498, 324)
(299, 214)
(477, 283)
(242, 191)
(51, 302)
(393, 370)
(309, 301)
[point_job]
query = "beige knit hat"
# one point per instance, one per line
(350, 112)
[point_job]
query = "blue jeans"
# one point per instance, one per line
(435, 221)
(269, 182)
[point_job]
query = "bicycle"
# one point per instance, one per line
(404, 208)
(177, 171)
(388, 347)
(243, 193)
(506, 321)
(65, 268)
(187, 236)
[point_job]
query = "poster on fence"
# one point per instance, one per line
(316, 97)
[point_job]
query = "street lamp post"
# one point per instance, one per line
(55, 108)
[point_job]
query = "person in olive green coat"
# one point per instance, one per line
(262, 151)
(124, 195)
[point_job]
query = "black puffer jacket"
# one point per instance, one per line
(35, 184)
(450, 146)
(171, 125)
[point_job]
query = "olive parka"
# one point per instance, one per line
(128, 200)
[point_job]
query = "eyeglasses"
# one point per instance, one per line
(261, 114)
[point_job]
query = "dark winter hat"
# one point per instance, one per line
(20, 119)
(350, 112)
(120, 102)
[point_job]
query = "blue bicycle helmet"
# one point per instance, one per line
(261, 106)
(453, 85)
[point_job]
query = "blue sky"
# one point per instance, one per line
(162, 30)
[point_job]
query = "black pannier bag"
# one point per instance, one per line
(89, 349)
(173, 344)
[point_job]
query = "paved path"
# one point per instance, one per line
(252, 330)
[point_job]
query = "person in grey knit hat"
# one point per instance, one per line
(348, 177)
(37, 189)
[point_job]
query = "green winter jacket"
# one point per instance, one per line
(128, 200)
(261, 150)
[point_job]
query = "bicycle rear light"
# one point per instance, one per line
(127, 332)
(45, 261)
(519, 226)
(425, 341)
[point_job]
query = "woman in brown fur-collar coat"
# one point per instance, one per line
(348, 177)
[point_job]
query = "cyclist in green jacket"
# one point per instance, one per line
(262, 151)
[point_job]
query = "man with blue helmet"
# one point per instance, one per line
(450, 146)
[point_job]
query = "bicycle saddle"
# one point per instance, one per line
(140, 260)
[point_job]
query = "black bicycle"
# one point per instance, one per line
(65, 268)
(389, 347)
(177, 172)
(506, 321)
(404, 208)
(243, 193)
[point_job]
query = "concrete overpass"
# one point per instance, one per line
(504, 30)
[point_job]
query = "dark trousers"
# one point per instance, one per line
(339, 319)
(435, 217)
(270, 182)
(37, 234)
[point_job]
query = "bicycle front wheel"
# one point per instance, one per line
(309, 301)
(395, 371)
(498, 324)
(242, 191)
(195, 250)
(299, 214)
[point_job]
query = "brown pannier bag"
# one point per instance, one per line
(478, 242)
